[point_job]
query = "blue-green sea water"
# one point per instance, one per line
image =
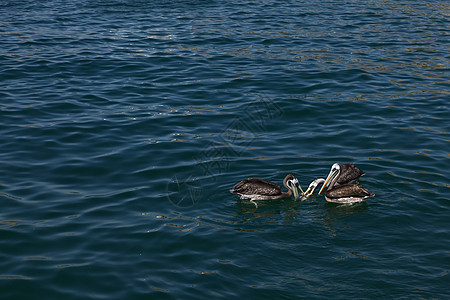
(123, 125)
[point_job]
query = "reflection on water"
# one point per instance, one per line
(124, 125)
(288, 211)
(250, 210)
(339, 211)
(283, 211)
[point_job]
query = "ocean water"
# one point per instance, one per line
(123, 124)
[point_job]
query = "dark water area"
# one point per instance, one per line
(123, 125)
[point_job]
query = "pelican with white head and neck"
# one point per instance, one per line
(342, 174)
(347, 193)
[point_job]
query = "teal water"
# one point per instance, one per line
(123, 125)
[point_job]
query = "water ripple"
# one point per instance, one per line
(124, 125)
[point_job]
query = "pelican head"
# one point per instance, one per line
(312, 186)
(332, 177)
(291, 183)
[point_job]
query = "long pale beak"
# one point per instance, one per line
(307, 193)
(331, 175)
(295, 191)
(300, 187)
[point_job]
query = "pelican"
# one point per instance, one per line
(260, 189)
(342, 174)
(312, 187)
(345, 193)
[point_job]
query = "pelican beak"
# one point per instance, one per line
(331, 175)
(300, 187)
(295, 192)
(296, 185)
(307, 193)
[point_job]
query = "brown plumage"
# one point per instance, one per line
(349, 173)
(341, 174)
(345, 193)
(260, 189)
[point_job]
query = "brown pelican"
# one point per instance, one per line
(312, 187)
(345, 193)
(260, 189)
(342, 174)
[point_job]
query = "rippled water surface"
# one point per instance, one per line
(123, 125)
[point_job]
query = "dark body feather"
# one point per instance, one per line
(260, 189)
(256, 186)
(347, 193)
(349, 174)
